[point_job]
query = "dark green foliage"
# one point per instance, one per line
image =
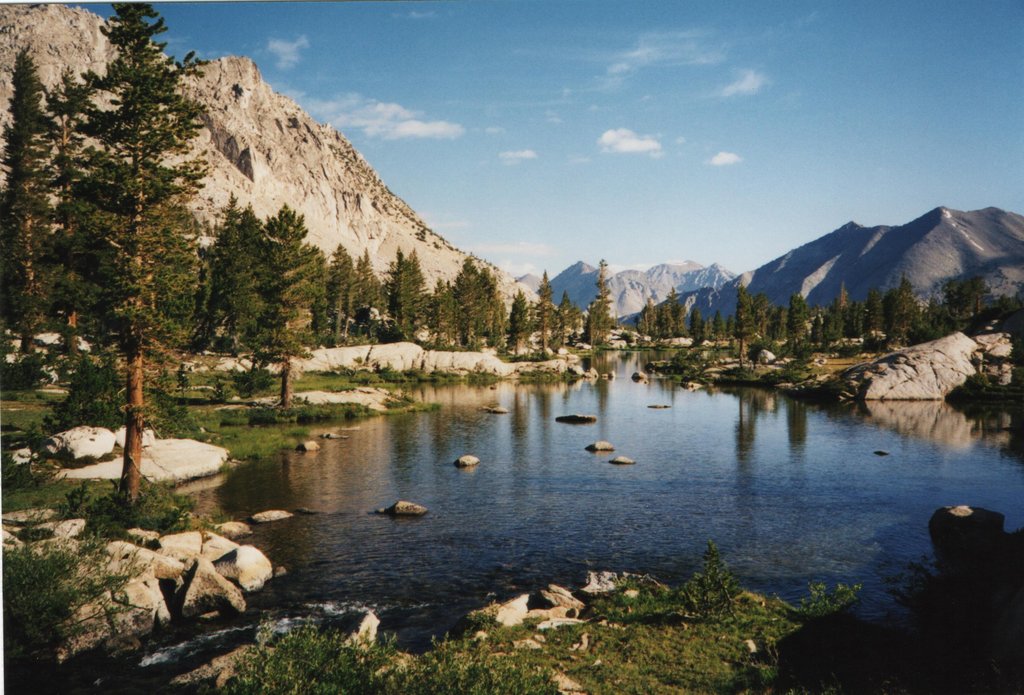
(27, 372)
(24, 205)
(406, 294)
(16, 475)
(158, 508)
(94, 396)
(599, 313)
(544, 312)
(301, 414)
(743, 320)
(821, 602)
(480, 315)
(452, 668)
(443, 316)
(712, 590)
(339, 293)
(252, 381)
(567, 319)
(44, 586)
(519, 326)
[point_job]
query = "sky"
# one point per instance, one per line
(536, 134)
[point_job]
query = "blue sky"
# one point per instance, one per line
(539, 133)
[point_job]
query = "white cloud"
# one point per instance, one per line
(748, 82)
(287, 52)
(662, 48)
(516, 156)
(625, 141)
(415, 14)
(725, 159)
(378, 119)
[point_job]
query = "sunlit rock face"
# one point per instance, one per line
(260, 147)
(928, 371)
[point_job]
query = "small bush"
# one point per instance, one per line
(16, 476)
(158, 508)
(28, 372)
(711, 591)
(94, 397)
(44, 588)
(822, 602)
(248, 384)
(451, 668)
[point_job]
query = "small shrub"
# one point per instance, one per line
(94, 397)
(822, 602)
(28, 372)
(44, 588)
(158, 508)
(16, 475)
(711, 591)
(249, 383)
(451, 668)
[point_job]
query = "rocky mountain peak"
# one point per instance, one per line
(260, 147)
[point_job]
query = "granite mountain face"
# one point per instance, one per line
(260, 147)
(939, 246)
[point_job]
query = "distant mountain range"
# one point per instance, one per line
(630, 289)
(939, 246)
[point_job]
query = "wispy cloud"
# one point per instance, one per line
(378, 119)
(747, 82)
(552, 117)
(415, 14)
(663, 49)
(725, 159)
(516, 156)
(287, 52)
(625, 141)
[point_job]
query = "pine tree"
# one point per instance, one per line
(874, 311)
(406, 292)
(599, 313)
(645, 322)
(340, 294)
(24, 205)
(518, 322)
(718, 326)
(443, 318)
(901, 311)
(288, 294)
(567, 319)
(743, 328)
(73, 287)
(137, 177)
(366, 288)
(697, 326)
(544, 311)
(796, 320)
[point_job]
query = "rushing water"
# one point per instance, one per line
(790, 492)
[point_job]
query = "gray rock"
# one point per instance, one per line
(309, 445)
(366, 633)
(659, 407)
(496, 410)
(602, 582)
(466, 461)
(79, 442)
(270, 515)
(640, 377)
(928, 371)
(576, 419)
(182, 546)
(600, 445)
(622, 461)
(234, 529)
(205, 590)
(247, 566)
(26, 517)
(403, 508)
(557, 595)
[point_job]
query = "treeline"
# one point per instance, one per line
(882, 319)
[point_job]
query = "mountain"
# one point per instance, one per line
(630, 289)
(260, 147)
(939, 246)
(530, 280)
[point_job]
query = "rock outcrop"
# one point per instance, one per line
(928, 371)
(174, 460)
(260, 147)
(81, 442)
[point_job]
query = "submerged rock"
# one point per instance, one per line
(600, 445)
(234, 529)
(403, 508)
(622, 461)
(577, 419)
(269, 515)
(308, 445)
(466, 461)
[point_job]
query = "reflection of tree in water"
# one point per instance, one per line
(750, 406)
(796, 425)
(520, 414)
(405, 445)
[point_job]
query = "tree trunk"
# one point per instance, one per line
(286, 384)
(71, 334)
(131, 473)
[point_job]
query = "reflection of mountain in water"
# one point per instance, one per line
(940, 422)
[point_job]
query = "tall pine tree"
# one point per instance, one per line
(544, 311)
(24, 205)
(599, 313)
(142, 126)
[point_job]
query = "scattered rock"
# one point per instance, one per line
(622, 461)
(25, 517)
(174, 460)
(23, 455)
(577, 419)
(269, 515)
(280, 571)
(512, 613)
(528, 643)
(693, 386)
(216, 673)
(631, 593)
(403, 508)
(126, 558)
(602, 582)
(10, 540)
(466, 461)
(659, 407)
(559, 622)
(148, 437)
(966, 538)
(557, 595)
(601, 445)
(582, 645)
(306, 511)
(496, 410)
(308, 445)
(610, 376)
(751, 646)
(765, 357)
(206, 590)
(246, 565)
(182, 546)
(234, 529)
(79, 442)
(70, 528)
(366, 633)
(215, 547)
(640, 377)
(333, 435)
(140, 535)
(567, 686)
(881, 452)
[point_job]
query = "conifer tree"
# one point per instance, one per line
(288, 292)
(901, 311)
(406, 292)
(340, 292)
(796, 320)
(697, 326)
(874, 311)
(24, 205)
(366, 288)
(599, 313)
(518, 322)
(443, 318)
(567, 319)
(544, 311)
(645, 322)
(743, 320)
(73, 287)
(136, 179)
(718, 326)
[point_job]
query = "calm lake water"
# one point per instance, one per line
(790, 492)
